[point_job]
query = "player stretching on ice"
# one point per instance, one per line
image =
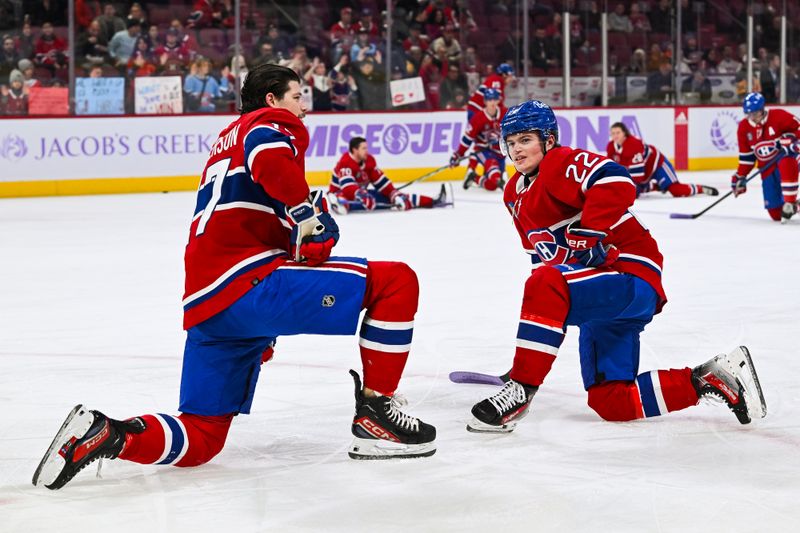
(504, 75)
(648, 167)
(483, 132)
(258, 266)
(769, 138)
(357, 184)
(598, 268)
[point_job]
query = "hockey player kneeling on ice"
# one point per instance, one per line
(357, 184)
(258, 266)
(648, 167)
(769, 139)
(598, 268)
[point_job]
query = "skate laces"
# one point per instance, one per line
(509, 397)
(407, 422)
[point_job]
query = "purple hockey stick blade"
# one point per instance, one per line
(681, 215)
(477, 378)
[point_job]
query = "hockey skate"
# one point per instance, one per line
(708, 190)
(501, 412)
(445, 197)
(469, 179)
(732, 379)
(336, 204)
(84, 437)
(788, 210)
(382, 431)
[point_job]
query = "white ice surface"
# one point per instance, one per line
(90, 291)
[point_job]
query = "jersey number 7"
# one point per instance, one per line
(214, 175)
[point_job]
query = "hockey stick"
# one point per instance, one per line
(477, 378)
(429, 174)
(758, 172)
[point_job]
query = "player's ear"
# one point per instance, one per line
(269, 99)
(551, 142)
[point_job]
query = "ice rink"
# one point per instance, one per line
(91, 291)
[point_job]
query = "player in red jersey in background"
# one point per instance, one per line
(258, 266)
(357, 184)
(504, 75)
(596, 267)
(483, 134)
(648, 167)
(769, 138)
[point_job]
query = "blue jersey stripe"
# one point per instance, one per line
(386, 336)
(649, 402)
(608, 169)
(176, 439)
(538, 334)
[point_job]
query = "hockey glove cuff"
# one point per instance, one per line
(587, 246)
(738, 184)
(314, 231)
(366, 199)
(787, 145)
(400, 201)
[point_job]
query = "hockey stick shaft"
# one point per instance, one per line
(758, 172)
(429, 174)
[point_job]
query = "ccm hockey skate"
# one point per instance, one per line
(84, 437)
(501, 412)
(382, 431)
(732, 379)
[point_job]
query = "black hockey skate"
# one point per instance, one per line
(732, 379)
(469, 179)
(709, 191)
(445, 197)
(84, 437)
(382, 431)
(501, 412)
(788, 210)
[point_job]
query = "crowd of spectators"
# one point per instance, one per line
(339, 47)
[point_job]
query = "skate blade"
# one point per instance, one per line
(476, 426)
(372, 449)
(76, 425)
(754, 396)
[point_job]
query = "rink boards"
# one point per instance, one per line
(68, 156)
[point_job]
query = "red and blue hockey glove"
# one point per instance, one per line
(788, 145)
(587, 246)
(314, 232)
(738, 184)
(455, 159)
(366, 199)
(400, 201)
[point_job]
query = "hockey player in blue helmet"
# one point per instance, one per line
(483, 136)
(598, 268)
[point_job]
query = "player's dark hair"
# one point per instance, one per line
(264, 79)
(355, 142)
(623, 127)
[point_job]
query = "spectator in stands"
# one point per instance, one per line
(110, 23)
(770, 78)
(370, 81)
(343, 33)
(50, 49)
(320, 81)
(638, 63)
(433, 88)
(201, 88)
(434, 17)
(639, 20)
(710, 61)
(8, 18)
(448, 43)
(655, 57)
(186, 39)
(14, 98)
(362, 47)
(511, 49)
(266, 55)
(281, 44)
(458, 101)
(92, 48)
(697, 84)
(9, 57)
(741, 80)
(553, 30)
(26, 44)
(41, 11)
(793, 84)
(416, 38)
(173, 56)
(660, 84)
(661, 17)
(154, 36)
(543, 53)
(142, 62)
(343, 86)
(463, 16)
(728, 64)
(453, 83)
(122, 44)
(137, 13)
(86, 11)
(211, 14)
(26, 67)
(471, 61)
(366, 23)
(299, 62)
(619, 21)
(413, 61)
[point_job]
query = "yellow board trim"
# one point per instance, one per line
(713, 163)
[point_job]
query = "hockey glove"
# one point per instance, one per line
(366, 199)
(787, 145)
(587, 246)
(400, 201)
(314, 232)
(738, 184)
(455, 159)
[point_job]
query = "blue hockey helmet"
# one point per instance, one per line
(753, 102)
(491, 94)
(532, 115)
(505, 68)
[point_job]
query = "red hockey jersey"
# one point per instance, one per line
(757, 141)
(239, 233)
(639, 158)
(483, 131)
(493, 81)
(574, 184)
(349, 176)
